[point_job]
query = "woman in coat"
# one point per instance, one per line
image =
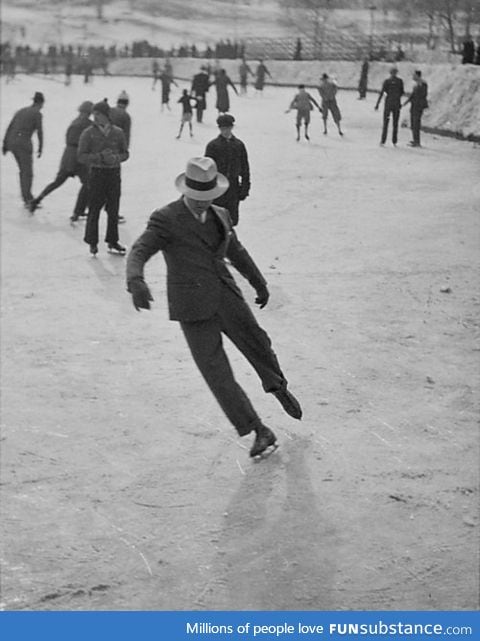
(221, 84)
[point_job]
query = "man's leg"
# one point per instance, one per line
(336, 115)
(97, 199)
(395, 119)
(386, 118)
(240, 325)
(81, 203)
(205, 342)
(415, 117)
(61, 177)
(24, 159)
(112, 205)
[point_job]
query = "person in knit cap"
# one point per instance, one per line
(120, 117)
(69, 164)
(18, 140)
(103, 147)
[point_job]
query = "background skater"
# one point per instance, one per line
(393, 89)
(195, 238)
(18, 140)
(187, 112)
(70, 165)
(231, 157)
(303, 102)
(328, 91)
(102, 147)
(418, 103)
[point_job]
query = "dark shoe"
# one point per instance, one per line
(264, 439)
(307, 137)
(116, 247)
(93, 250)
(288, 402)
(32, 205)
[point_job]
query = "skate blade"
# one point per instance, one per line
(266, 453)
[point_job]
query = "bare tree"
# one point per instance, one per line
(310, 18)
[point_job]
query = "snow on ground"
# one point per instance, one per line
(123, 485)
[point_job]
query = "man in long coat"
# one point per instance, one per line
(231, 157)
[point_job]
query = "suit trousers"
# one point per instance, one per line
(236, 320)
(415, 123)
(24, 158)
(395, 111)
(105, 188)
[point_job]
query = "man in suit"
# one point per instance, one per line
(231, 158)
(196, 237)
(418, 102)
(18, 140)
(393, 90)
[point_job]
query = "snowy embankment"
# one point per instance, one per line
(454, 90)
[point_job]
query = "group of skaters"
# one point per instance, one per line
(196, 233)
(95, 148)
(393, 90)
(94, 151)
(208, 76)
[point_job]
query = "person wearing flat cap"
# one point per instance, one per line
(196, 238)
(18, 140)
(102, 147)
(231, 157)
(69, 164)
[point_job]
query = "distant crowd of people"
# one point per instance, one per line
(80, 58)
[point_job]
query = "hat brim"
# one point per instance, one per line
(220, 188)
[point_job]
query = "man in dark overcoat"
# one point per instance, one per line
(418, 103)
(18, 140)
(200, 87)
(231, 157)
(196, 237)
(393, 90)
(69, 164)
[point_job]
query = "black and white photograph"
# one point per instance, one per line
(240, 355)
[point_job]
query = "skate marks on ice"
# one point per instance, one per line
(271, 552)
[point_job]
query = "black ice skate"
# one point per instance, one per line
(116, 248)
(265, 443)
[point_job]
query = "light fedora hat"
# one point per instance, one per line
(201, 180)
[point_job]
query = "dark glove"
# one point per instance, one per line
(262, 296)
(4, 149)
(141, 295)
(39, 153)
(108, 157)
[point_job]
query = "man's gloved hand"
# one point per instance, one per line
(141, 295)
(4, 149)
(262, 296)
(39, 153)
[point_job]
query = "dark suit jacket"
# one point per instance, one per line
(196, 270)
